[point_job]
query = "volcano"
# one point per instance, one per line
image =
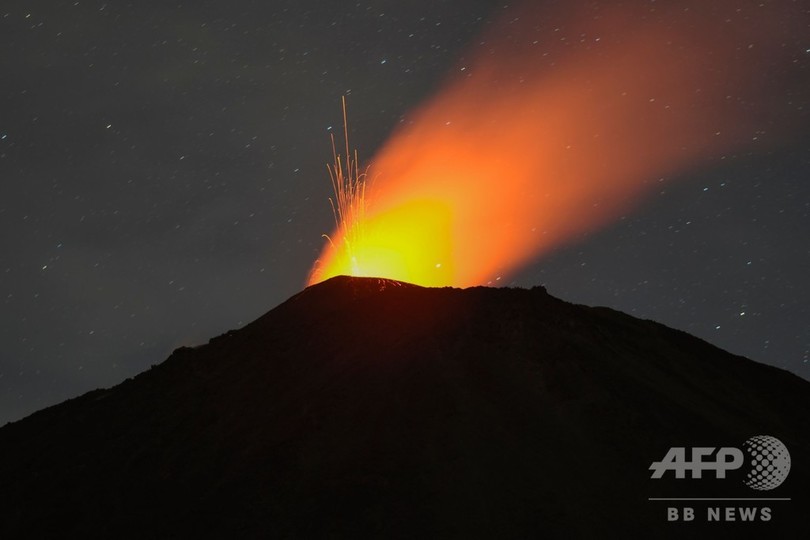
(366, 407)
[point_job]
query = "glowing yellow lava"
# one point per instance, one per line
(411, 242)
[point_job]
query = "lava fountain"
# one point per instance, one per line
(553, 125)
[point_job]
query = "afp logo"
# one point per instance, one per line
(766, 459)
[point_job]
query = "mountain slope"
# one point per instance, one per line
(366, 407)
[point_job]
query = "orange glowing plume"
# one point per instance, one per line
(555, 125)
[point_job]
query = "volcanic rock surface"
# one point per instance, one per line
(372, 408)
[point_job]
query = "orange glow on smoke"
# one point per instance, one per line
(554, 125)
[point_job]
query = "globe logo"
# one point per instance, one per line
(769, 460)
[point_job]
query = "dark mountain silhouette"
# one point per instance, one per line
(372, 408)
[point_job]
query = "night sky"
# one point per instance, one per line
(163, 180)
